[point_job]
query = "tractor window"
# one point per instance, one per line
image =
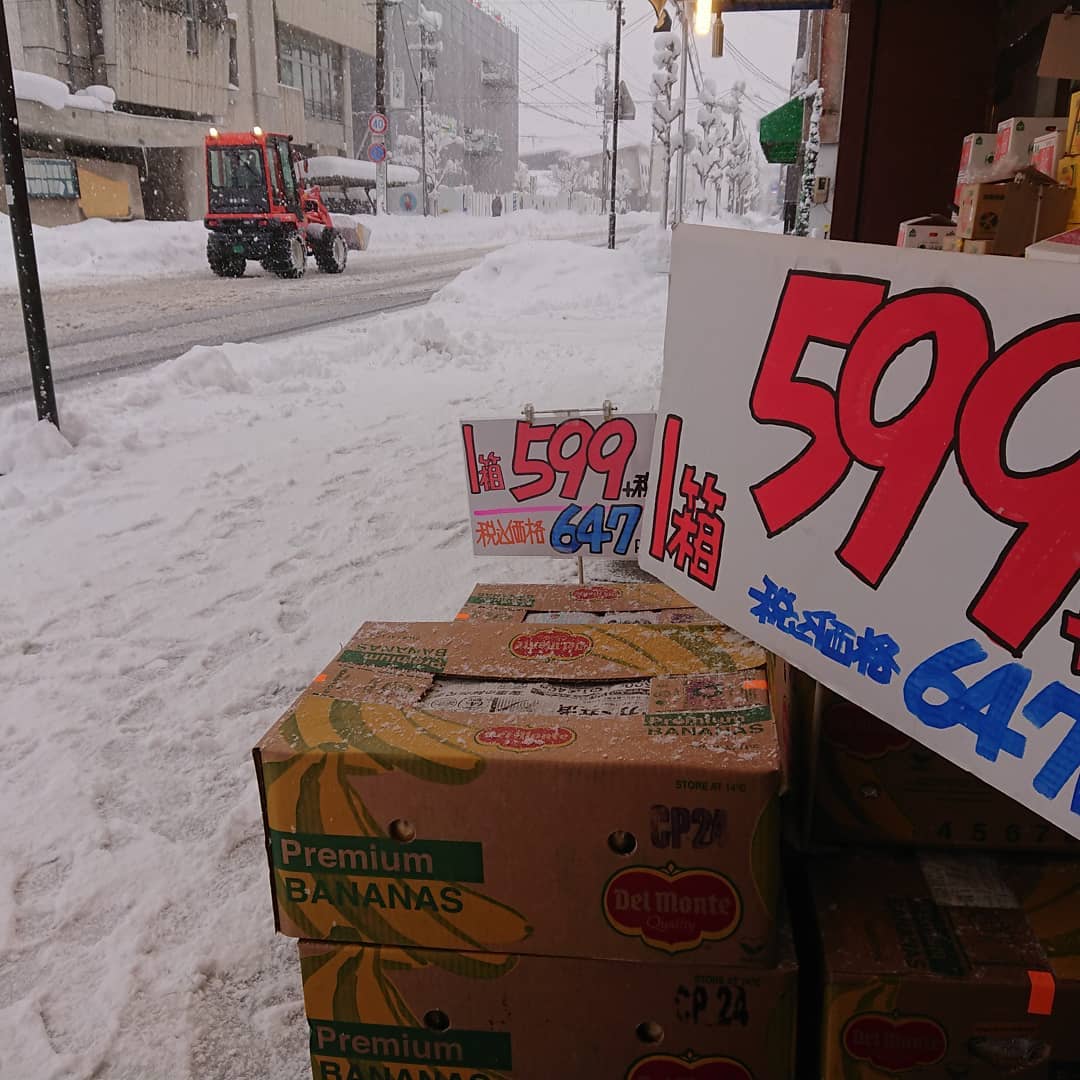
(237, 180)
(287, 171)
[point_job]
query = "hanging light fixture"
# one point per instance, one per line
(703, 17)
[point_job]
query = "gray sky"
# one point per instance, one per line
(558, 72)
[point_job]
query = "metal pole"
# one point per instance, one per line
(605, 93)
(22, 236)
(380, 56)
(380, 97)
(680, 176)
(615, 126)
(423, 131)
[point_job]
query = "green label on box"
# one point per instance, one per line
(369, 856)
(405, 1045)
(514, 600)
(400, 658)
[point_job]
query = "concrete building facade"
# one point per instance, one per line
(176, 67)
(470, 52)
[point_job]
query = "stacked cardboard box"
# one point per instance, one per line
(636, 602)
(535, 851)
(936, 959)
(938, 966)
(1068, 171)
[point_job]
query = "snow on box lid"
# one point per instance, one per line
(634, 602)
(460, 769)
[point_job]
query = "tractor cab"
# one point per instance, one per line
(258, 208)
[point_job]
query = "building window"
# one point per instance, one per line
(313, 65)
(191, 18)
(51, 178)
(234, 57)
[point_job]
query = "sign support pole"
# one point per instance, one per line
(680, 176)
(22, 237)
(615, 125)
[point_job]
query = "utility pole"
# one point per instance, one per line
(604, 95)
(22, 236)
(423, 128)
(615, 124)
(680, 176)
(380, 96)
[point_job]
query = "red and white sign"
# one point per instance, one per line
(868, 460)
(378, 124)
(562, 486)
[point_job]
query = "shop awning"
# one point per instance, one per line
(780, 133)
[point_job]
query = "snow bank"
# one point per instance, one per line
(551, 277)
(95, 250)
(98, 250)
(207, 536)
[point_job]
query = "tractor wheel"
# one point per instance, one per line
(223, 261)
(289, 259)
(331, 254)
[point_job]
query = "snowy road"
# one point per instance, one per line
(102, 322)
(142, 321)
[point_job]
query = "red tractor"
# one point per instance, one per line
(259, 208)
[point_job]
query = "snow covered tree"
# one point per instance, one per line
(574, 176)
(445, 149)
(810, 160)
(668, 49)
(707, 158)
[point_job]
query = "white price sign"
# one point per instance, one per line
(868, 460)
(573, 486)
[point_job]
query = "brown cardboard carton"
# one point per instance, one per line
(636, 602)
(981, 207)
(578, 791)
(377, 1011)
(1069, 175)
(944, 966)
(874, 785)
(1072, 141)
(1014, 213)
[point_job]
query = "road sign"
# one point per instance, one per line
(377, 152)
(378, 124)
(874, 476)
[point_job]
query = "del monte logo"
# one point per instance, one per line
(551, 645)
(671, 909)
(894, 1043)
(596, 592)
(688, 1067)
(520, 739)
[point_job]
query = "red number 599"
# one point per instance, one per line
(967, 407)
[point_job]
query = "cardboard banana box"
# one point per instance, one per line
(580, 604)
(577, 791)
(874, 785)
(942, 966)
(387, 1013)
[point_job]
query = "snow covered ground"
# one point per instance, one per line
(177, 568)
(98, 250)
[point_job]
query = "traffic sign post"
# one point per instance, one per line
(378, 124)
(377, 152)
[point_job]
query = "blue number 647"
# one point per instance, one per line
(569, 536)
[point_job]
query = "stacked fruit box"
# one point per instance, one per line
(528, 851)
(939, 960)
